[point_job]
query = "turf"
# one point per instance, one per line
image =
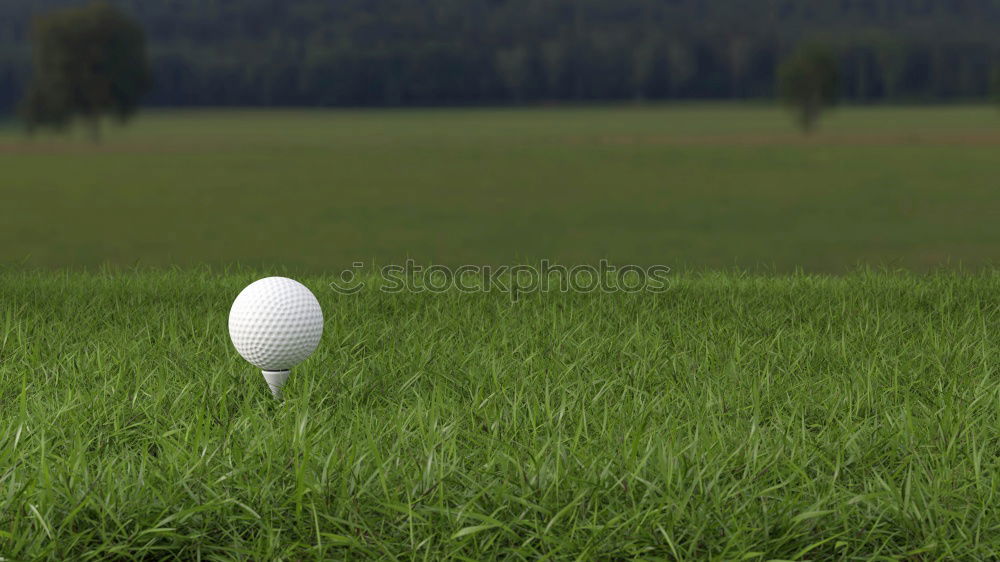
(700, 187)
(729, 417)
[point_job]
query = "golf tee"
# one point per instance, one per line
(275, 380)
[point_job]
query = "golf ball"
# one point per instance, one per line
(275, 323)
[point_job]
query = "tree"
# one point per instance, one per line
(996, 85)
(88, 62)
(394, 52)
(807, 81)
(513, 67)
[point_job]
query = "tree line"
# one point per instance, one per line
(448, 52)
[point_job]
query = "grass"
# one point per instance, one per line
(730, 417)
(690, 186)
(792, 415)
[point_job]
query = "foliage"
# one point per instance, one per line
(89, 62)
(436, 52)
(996, 85)
(808, 82)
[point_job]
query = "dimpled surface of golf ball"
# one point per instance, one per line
(275, 323)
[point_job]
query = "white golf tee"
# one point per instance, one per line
(275, 380)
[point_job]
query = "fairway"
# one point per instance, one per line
(817, 381)
(688, 186)
(730, 417)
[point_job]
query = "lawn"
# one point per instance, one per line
(689, 186)
(729, 417)
(776, 401)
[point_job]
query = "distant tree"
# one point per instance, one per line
(807, 81)
(394, 52)
(996, 85)
(88, 62)
(513, 66)
(683, 67)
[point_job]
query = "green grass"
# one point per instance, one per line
(734, 416)
(730, 417)
(699, 186)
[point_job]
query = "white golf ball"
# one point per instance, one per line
(275, 323)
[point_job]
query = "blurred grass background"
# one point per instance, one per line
(690, 186)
